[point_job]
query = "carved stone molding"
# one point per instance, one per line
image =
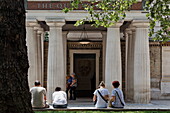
(93, 45)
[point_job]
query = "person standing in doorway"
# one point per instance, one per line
(68, 83)
(73, 87)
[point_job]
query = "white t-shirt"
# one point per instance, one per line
(59, 98)
(100, 102)
(38, 94)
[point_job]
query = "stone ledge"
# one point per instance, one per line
(101, 109)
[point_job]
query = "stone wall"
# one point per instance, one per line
(155, 69)
(160, 70)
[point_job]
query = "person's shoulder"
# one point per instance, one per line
(62, 91)
(32, 88)
(105, 89)
(42, 88)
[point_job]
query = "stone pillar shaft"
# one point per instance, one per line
(56, 76)
(40, 76)
(65, 51)
(31, 39)
(113, 70)
(129, 65)
(141, 67)
(139, 63)
(104, 53)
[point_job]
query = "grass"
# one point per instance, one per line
(102, 111)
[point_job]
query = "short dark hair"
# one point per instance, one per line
(116, 84)
(58, 89)
(37, 83)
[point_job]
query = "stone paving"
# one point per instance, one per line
(87, 104)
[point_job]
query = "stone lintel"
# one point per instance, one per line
(31, 22)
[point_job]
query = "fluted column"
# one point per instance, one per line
(55, 74)
(104, 53)
(40, 76)
(129, 76)
(65, 51)
(113, 69)
(31, 45)
(141, 63)
(42, 56)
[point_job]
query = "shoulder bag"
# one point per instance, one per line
(102, 96)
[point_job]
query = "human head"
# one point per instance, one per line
(67, 77)
(58, 89)
(115, 84)
(73, 74)
(102, 84)
(37, 83)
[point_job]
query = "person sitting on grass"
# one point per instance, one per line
(59, 98)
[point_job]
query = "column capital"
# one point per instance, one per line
(31, 23)
(117, 25)
(40, 31)
(65, 32)
(140, 23)
(104, 33)
(55, 22)
(128, 31)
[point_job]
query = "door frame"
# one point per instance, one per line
(85, 51)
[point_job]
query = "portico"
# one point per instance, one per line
(106, 47)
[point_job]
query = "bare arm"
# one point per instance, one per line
(74, 81)
(106, 97)
(45, 98)
(94, 97)
(113, 98)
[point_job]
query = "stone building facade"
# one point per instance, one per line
(122, 52)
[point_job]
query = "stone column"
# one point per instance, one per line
(31, 45)
(65, 51)
(129, 79)
(104, 36)
(55, 74)
(113, 69)
(141, 62)
(40, 76)
(42, 56)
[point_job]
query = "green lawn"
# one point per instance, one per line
(102, 111)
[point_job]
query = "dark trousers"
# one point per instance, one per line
(67, 92)
(73, 93)
(60, 106)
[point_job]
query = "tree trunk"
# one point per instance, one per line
(14, 91)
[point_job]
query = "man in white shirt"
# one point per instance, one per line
(38, 96)
(59, 98)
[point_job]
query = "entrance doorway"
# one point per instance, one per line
(85, 64)
(85, 69)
